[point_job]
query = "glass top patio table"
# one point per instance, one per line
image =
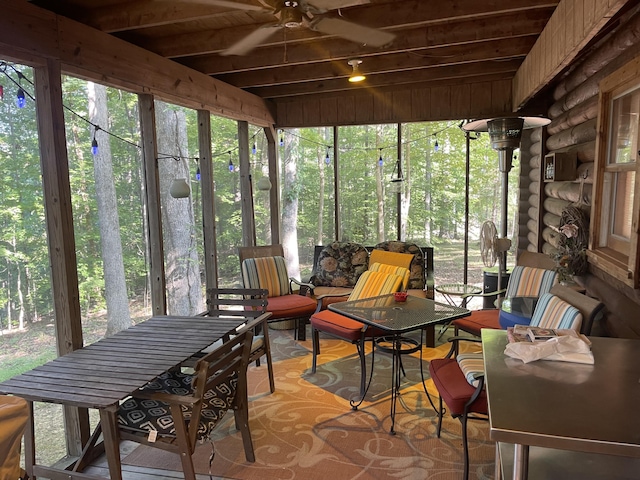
(399, 317)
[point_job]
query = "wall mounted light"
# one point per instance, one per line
(356, 76)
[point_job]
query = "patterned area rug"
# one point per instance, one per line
(307, 430)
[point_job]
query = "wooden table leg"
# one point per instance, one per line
(29, 443)
(111, 441)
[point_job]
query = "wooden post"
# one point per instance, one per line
(246, 191)
(274, 177)
(208, 199)
(154, 215)
(60, 235)
(336, 185)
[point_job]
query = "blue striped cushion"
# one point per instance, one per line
(530, 281)
(553, 312)
(472, 366)
(266, 272)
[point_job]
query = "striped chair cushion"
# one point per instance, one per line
(530, 282)
(266, 272)
(372, 284)
(396, 270)
(553, 312)
(472, 366)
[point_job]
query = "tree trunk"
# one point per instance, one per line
(184, 287)
(290, 206)
(118, 317)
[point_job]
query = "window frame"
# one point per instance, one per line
(625, 268)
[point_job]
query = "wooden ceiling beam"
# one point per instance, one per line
(404, 62)
(154, 13)
(508, 68)
(394, 17)
(503, 27)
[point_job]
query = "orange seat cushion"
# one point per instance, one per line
(479, 319)
(341, 326)
(290, 306)
(454, 388)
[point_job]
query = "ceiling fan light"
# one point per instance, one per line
(356, 76)
(291, 17)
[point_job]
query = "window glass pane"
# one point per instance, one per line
(625, 125)
(105, 170)
(622, 205)
(226, 184)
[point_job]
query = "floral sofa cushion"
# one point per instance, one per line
(416, 280)
(340, 264)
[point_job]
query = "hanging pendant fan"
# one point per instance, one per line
(488, 243)
(303, 13)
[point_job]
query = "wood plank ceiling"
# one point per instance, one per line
(433, 42)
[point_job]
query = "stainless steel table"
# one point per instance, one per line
(102, 374)
(398, 318)
(564, 406)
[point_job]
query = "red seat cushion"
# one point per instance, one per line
(454, 388)
(341, 326)
(290, 306)
(479, 319)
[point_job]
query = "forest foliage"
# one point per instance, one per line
(432, 195)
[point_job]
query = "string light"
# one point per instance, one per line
(327, 159)
(254, 149)
(20, 100)
(94, 143)
(198, 175)
(281, 139)
(231, 167)
(20, 97)
(380, 161)
(436, 147)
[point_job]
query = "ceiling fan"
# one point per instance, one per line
(304, 13)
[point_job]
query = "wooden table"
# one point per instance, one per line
(562, 408)
(102, 374)
(398, 318)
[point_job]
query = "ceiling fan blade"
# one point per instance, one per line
(326, 5)
(231, 4)
(252, 40)
(353, 31)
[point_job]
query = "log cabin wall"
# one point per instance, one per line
(572, 131)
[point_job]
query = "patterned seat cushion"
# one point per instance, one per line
(400, 271)
(417, 279)
(472, 366)
(340, 264)
(266, 272)
(553, 312)
(530, 281)
(144, 415)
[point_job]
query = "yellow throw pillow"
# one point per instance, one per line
(391, 258)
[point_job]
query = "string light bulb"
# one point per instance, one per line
(436, 147)
(94, 143)
(327, 159)
(281, 139)
(20, 100)
(198, 175)
(231, 168)
(254, 149)
(380, 161)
